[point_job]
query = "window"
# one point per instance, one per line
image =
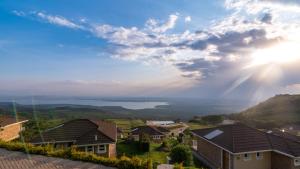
(259, 156)
(297, 162)
(213, 134)
(90, 149)
(156, 137)
(101, 149)
(247, 157)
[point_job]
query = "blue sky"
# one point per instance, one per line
(148, 48)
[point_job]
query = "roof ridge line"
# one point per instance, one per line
(154, 128)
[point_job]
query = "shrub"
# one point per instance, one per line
(149, 164)
(165, 146)
(71, 153)
(178, 166)
(144, 146)
(181, 154)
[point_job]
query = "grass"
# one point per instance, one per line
(155, 155)
(127, 124)
(130, 149)
(193, 126)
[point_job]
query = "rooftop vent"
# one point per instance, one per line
(96, 137)
(213, 134)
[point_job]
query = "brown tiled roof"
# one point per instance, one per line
(150, 130)
(79, 131)
(238, 138)
(284, 134)
(108, 128)
(7, 120)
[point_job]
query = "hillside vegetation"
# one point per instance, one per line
(276, 111)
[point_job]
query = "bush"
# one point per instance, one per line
(71, 153)
(181, 154)
(149, 164)
(165, 146)
(178, 166)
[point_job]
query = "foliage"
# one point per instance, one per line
(144, 146)
(181, 154)
(149, 164)
(208, 120)
(165, 146)
(71, 153)
(178, 166)
(131, 149)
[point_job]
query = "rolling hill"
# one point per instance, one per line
(276, 111)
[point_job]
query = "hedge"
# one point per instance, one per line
(72, 154)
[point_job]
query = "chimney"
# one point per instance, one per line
(96, 137)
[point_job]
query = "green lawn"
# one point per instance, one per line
(193, 126)
(130, 149)
(155, 155)
(127, 124)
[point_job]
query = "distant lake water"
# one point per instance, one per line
(91, 102)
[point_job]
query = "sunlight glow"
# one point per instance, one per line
(283, 53)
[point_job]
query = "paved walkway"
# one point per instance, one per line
(19, 160)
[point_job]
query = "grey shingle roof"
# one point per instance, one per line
(238, 138)
(19, 160)
(80, 131)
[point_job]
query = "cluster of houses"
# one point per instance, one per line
(231, 146)
(94, 136)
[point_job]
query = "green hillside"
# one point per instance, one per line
(276, 111)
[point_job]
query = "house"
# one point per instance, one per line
(95, 136)
(238, 146)
(10, 127)
(156, 134)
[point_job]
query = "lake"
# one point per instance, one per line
(92, 102)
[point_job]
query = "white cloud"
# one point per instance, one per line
(58, 20)
(18, 13)
(155, 26)
(188, 19)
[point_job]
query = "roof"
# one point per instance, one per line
(239, 138)
(80, 131)
(284, 134)
(150, 130)
(162, 129)
(7, 120)
(14, 159)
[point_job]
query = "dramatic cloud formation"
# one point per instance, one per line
(232, 47)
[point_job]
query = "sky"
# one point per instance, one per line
(169, 48)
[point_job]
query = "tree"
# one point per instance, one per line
(181, 154)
